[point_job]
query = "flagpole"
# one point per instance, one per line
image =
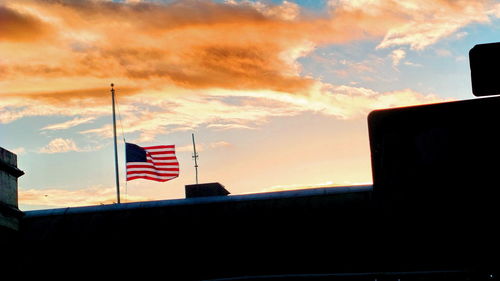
(116, 150)
(195, 157)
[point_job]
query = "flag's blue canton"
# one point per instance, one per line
(135, 153)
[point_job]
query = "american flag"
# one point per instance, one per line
(156, 163)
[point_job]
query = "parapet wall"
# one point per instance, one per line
(9, 173)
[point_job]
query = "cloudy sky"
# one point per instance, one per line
(276, 92)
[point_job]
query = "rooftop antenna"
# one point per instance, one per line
(116, 151)
(195, 157)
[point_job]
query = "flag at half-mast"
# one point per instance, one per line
(157, 163)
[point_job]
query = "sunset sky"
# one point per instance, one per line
(276, 92)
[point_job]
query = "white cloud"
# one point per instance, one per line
(219, 144)
(59, 145)
(18, 150)
(69, 124)
(216, 108)
(429, 21)
(397, 56)
(286, 11)
(203, 146)
(229, 126)
(13, 108)
(409, 63)
(414, 23)
(443, 52)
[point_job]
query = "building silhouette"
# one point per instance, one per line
(431, 214)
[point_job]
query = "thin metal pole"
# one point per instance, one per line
(116, 150)
(195, 157)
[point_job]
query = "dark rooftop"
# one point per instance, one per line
(339, 191)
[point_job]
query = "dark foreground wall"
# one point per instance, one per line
(434, 207)
(202, 238)
(329, 230)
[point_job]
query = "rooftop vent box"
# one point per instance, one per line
(205, 190)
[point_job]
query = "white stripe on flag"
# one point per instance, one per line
(175, 165)
(151, 176)
(151, 170)
(163, 161)
(160, 149)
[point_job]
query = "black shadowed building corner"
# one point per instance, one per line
(10, 215)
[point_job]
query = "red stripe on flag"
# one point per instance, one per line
(163, 164)
(147, 178)
(151, 167)
(159, 152)
(159, 147)
(159, 173)
(164, 158)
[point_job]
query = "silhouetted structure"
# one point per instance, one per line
(484, 60)
(433, 208)
(431, 215)
(205, 189)
(9, 212)
(10, 215)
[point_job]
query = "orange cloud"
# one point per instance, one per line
(95, 195)
(202, 44)
(89, 103)
(201, 47)
(95, 95)
(193, 44)
(18, 26)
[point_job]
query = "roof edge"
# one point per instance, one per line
(202, 200)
